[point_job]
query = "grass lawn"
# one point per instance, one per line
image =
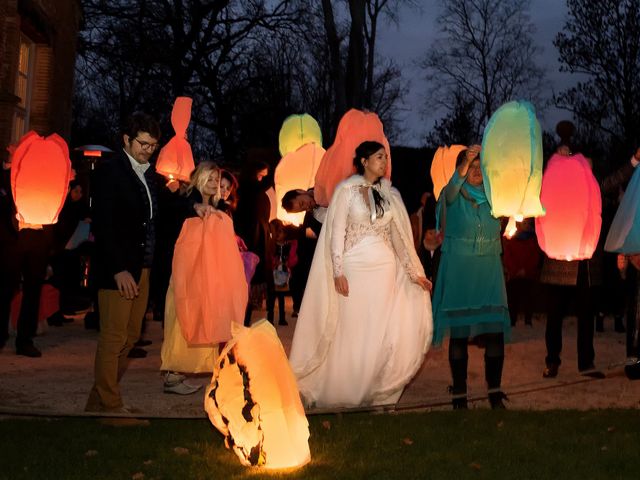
(477, 444)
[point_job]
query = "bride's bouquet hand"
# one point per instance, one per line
(424, 283)
(342, 286)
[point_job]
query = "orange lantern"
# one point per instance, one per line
(175, 160)
(296, 170)
(253, 400)
(511, 160)
(40, 175)
(443, 165)
(571, 196)
(298, 130)
(354, 128)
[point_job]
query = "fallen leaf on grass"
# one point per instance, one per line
(500, 424)
(407, 441)
(611, 429)
(181, 450)
(90, 453)
(604, 448)
(148, 462)
(326, 425)
(137, 476)
(475, 466)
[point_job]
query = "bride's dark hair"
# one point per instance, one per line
(364, 151)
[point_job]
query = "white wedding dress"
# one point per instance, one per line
(364, 348)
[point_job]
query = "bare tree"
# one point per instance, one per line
(601, 40)
(486, 54)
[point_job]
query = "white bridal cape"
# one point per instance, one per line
(364, 348)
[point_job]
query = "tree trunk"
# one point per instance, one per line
(355, 74)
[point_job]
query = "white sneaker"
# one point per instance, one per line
(181, 388)
(174, 377)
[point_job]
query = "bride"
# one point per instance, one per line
(365, 322)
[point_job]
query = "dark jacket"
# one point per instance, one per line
(122, 225)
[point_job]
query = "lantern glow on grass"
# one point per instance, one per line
(40, 175)
(175, 160)
(354, 128)
(301, 147)
(624, 234)
(253, 400)
(511, 161)
(571, 196)
(443, 165)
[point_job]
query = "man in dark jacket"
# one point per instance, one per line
(123, 226)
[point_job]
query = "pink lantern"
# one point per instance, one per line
(337, 163)
(176, 160)
(443, 165)
(40, 175)
(571, 196)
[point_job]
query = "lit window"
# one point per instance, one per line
(24, 82)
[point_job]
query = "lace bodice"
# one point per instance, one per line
(353, 222)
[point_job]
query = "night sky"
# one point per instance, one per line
(408, 41)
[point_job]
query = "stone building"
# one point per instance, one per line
(38, 41)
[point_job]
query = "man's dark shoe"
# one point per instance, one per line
(496, 400)
(136, 352)
(143, 343)
(632, 371)
(56, 320)
(592, 372)
(28, 351)
(550, 372)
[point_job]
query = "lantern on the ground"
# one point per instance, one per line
(40, 175)
(354, 128)
(298, 130)
(175, 160)
(571, 196)
(624, 234)
(443, 165)
(253, 400)
(511, 160)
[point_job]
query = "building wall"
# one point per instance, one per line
(53, 25)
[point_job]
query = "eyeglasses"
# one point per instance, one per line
(149, 147)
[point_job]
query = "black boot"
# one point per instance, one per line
(619, 325)
(493, 376)
(459, 388)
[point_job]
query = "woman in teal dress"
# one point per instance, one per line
(470, 298)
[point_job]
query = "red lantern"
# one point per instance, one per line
(40, 175)
(337, 163)
(176, 160)
(571, 196)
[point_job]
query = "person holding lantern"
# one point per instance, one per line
(365, 320)
(573, 283)
(125, 212)
(470, 298)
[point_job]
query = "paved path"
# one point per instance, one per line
(58, 383)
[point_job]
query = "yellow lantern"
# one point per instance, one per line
(443, 165)
(253, 400)
(298, 130)
(296, 170)
(40, 175)
(511, 161)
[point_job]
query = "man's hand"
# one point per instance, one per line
(173, 185)
(127, 286)
(342, 286)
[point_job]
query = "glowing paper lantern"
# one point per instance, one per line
(511, 160)
(176, 160)
(571, 196)
(253, 400)
(624, 234)
(40, 175)
(296, 170)
(298, 130)
(443, 165)
(354, 128)
(209, 282)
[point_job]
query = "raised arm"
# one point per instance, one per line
(452, 189)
